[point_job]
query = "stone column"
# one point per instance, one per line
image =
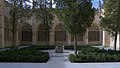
(100, 36)
(34, 39)
(118, 42)
(17, 42)
(52, 39)
(2, 24)
(68, 38)
(112, 41)
(20, 36)
(86, 38)
(17, 35)
(2, 32)
(104, 38)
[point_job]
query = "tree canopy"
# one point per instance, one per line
(77, 16)
(111, 20)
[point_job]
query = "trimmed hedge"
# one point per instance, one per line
(24, 55)
(91, 54)
(40, 47)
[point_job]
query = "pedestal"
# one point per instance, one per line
(59, 49)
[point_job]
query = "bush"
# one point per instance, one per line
(40, 47)
(90, 54)
(23, 55)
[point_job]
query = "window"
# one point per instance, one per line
(42, 34)
(27, 33)
(79, 38)
(60, 34)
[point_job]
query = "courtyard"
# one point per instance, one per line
(59, 34)
(59, 60)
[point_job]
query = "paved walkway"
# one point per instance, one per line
(59, 57)
(59, 60)
(106, 48)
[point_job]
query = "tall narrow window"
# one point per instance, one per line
(60, 34)
(79, 38)
(6, 29)
(93, 34)
(43, 35)
(27, 33)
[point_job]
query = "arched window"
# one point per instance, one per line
(27, 33)
(60, 34)
(93, 34)
(7, 30)
(79, 38)
(43, 35)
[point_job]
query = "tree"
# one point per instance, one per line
(17, 11)
(77, 16)
(43, 12)
(110, 22)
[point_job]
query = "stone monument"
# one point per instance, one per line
(59, 49)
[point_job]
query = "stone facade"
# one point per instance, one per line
(2, 23)
(108, 40)
(30, 31)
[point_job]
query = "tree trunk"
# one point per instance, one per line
(47, 37)
(13, 32)
(13, 28)
(75, 44)
(115, 43)
(13, 39)
(50, 4)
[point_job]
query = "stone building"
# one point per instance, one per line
(31, 31)
(108, 40)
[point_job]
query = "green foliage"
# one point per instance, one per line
(17, 12)
(40, 47)
(110, 22)
(77, 16)
(24, 55)
(90, 54)
(43, 14)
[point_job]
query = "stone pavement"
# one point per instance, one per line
(59, 60)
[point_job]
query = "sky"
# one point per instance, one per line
(96, 3)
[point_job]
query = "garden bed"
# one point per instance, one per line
(91, 55)
(40, 47)
(24, 55)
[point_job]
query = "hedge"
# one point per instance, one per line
(24, 55)
(91, 54)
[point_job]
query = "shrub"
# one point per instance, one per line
(23, 55)
(40, 47)
(90, 54)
